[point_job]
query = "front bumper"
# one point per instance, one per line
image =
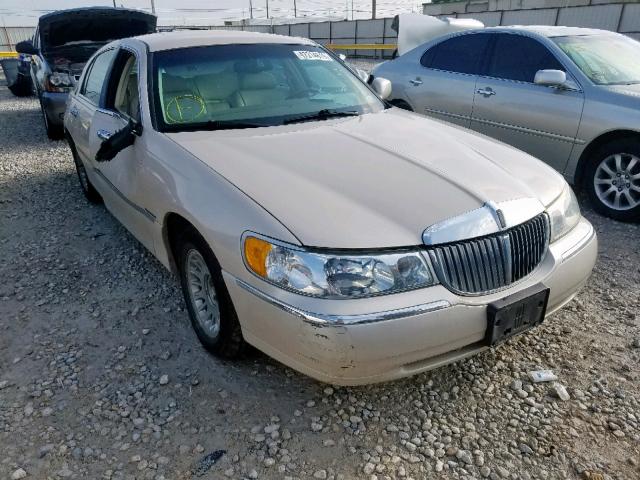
(54, 105)
(342, 342)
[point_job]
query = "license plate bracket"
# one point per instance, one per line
(516, 313)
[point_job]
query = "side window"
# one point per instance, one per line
(92, 87)
(516, 57)
(126, 98)
(36, 39)
(461, 54)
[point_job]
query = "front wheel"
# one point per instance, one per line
(208, 302)
(612, 179)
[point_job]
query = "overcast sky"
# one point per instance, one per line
(203, 12)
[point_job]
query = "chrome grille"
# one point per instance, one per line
(489, 263)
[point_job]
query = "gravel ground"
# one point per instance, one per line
(101, 376)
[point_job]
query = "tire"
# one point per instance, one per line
(401, 104)
(54, 132)
(21, 89)
(226, 340)
(88, 189)
(612, 168)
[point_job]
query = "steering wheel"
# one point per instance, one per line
(185, 108)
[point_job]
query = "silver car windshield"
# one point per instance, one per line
(242, 86)
(605, 59)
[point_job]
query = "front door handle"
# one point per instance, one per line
(73, 112)
(416, 82)
(104, 134)
(487, 92)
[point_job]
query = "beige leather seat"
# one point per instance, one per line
(257, 84)
(217, 89)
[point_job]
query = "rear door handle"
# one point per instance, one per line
(487, 92)
(104, 134)
(416, 82)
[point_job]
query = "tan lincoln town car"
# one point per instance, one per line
(350, 240)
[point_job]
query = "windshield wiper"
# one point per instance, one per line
(217, 125)
(323, 114)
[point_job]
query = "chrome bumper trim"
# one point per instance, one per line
(321, 319)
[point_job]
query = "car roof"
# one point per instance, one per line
(199, 38)
(552, 31)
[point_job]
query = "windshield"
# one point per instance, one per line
(241, 86)
(605, 59)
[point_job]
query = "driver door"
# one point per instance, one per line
(120, 176)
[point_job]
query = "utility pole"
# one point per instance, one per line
(153, 6)
(267, 8)
(295, 9)
(250, 9)
(373, 9)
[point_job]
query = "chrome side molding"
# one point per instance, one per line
(328, 320)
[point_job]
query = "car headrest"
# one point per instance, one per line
(217, 86)
(258, 81)
(252, 66)
(175, 84)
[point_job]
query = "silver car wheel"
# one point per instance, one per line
(202, 293)
(617, 181)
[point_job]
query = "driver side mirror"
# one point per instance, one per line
(550, 78)
(26, 47)
(382, 87)
(118, 141)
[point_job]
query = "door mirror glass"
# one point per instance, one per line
(26, 47)
(382, 87)
(118, 141)
(550, 78)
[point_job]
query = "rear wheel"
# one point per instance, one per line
(208, 302)
(21, 88)
(612, 179)
(85, 183)
(54, 132)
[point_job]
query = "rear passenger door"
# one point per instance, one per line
(541, 120)
(445, 81)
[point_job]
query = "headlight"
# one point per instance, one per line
(338, 275)
(59, 82)
(564, 213)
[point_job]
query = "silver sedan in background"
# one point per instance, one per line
(569, 96)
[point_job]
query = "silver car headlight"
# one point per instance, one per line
(336, 275)
(60, 79)
(564, 213)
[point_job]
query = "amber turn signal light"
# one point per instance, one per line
(255, 254)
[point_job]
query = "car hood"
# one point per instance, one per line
(377, 180)
(632, 90)
(93, 24)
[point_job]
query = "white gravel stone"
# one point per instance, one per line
(18, 474)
